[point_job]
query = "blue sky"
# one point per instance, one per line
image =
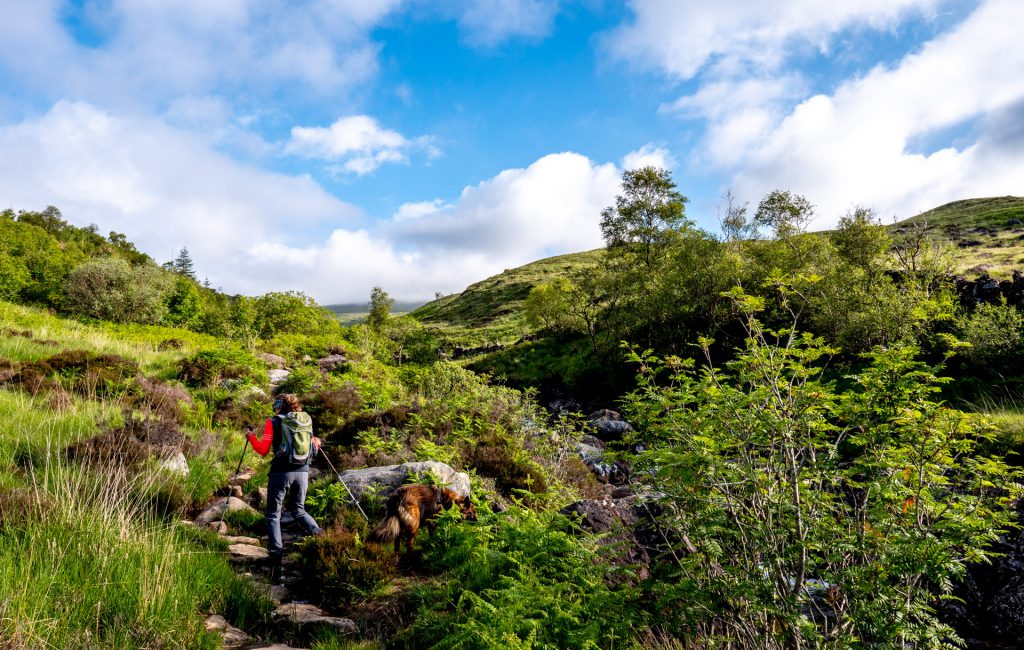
(333, 145)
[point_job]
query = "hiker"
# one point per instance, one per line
(290, 434)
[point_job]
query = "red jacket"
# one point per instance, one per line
(263, 444)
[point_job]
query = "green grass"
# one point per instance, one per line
(50, 334)
(490, 311)
(83, 564)
(979, 229)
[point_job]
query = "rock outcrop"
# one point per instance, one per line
(389, 477)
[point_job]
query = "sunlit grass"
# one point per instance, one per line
(83, 563)
(51, 334)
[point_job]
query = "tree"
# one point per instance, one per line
(183, 304)
(860, 240)
(380, 308)
(645, 215)
(183, 265)
(111, 289)
(811, 517)
(785, 213)
(736, 223)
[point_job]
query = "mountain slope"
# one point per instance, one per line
(984, 231)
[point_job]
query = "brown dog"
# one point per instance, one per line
(412, 506)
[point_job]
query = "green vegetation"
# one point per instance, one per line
(800, 475)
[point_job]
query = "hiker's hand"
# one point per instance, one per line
(316, 442)
(248, 432)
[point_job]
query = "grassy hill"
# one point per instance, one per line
(491, 310)
(989, 232)
(983, 230)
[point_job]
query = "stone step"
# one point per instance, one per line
(248, 552)
(239, 539)
(231, 636)
(303, 615)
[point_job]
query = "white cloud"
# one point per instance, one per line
(487, 23)
(853, 146)
(164, 187)
(252, 231)
(649, 155)
(358, 140)
(153, 52)
(682, 36)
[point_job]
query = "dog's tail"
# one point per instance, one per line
(387, 531)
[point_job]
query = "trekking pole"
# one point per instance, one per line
(238, 469)
(351, 496)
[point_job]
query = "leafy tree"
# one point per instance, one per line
(645, 215)
(111, 289)
(380, 308)
(183, 304)
(288, 312)
(995, 334)
(809, 517)
(785, 213)
(736, 223)
(861, 241)
(547, 304)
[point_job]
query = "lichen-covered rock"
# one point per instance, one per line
(215, 512)
(304, 615)
(389, 477)
(247, 552)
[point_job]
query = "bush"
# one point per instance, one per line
(210, 367)
(342, 566)
(835, 519)
(995, 332)
(112, 289)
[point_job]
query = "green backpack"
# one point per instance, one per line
(296, 433)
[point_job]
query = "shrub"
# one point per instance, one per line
(496, 456)
(995, 332)
(341, 566)
(210, 367)
(112, 289)
(834, 518)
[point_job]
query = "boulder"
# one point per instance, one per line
(248, 552)
(175, 464)
(390, 477)
(215, 512)
(231, 636)
(304, 615)
(588, 453)
(609, 425)
(332, 362)
(238, 539)
(272, 360)
(277, 376)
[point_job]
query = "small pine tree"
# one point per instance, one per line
(183, 265)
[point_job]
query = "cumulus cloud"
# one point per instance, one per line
(166, 188)
(855, 144)
(682, 36)
(358, 141)
(649, 155)
(153, 52)
(487, 23)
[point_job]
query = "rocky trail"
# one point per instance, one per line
(295, 620)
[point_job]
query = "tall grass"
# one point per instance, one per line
(84, 563)
(50, 334)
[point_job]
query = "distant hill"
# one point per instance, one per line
(352, 313)
(491, 310)
(988, 233)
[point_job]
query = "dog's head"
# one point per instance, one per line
(465, 504)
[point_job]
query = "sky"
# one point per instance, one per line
(330, 146)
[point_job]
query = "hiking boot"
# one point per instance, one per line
(275, 569)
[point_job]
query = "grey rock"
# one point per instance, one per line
(304, 615)
(231, 636)
(390, 477)
(272, 360)
(588, 453)
(218, 527)
(332, 362)
(277, 376)
(239, 539)
(247, 552)
(240, 478)
(176, 464)
(215, 511)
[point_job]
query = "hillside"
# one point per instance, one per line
(491, 310)
(987, 232)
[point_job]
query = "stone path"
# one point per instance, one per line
(249, 557)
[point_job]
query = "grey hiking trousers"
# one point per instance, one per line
(278, 484)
